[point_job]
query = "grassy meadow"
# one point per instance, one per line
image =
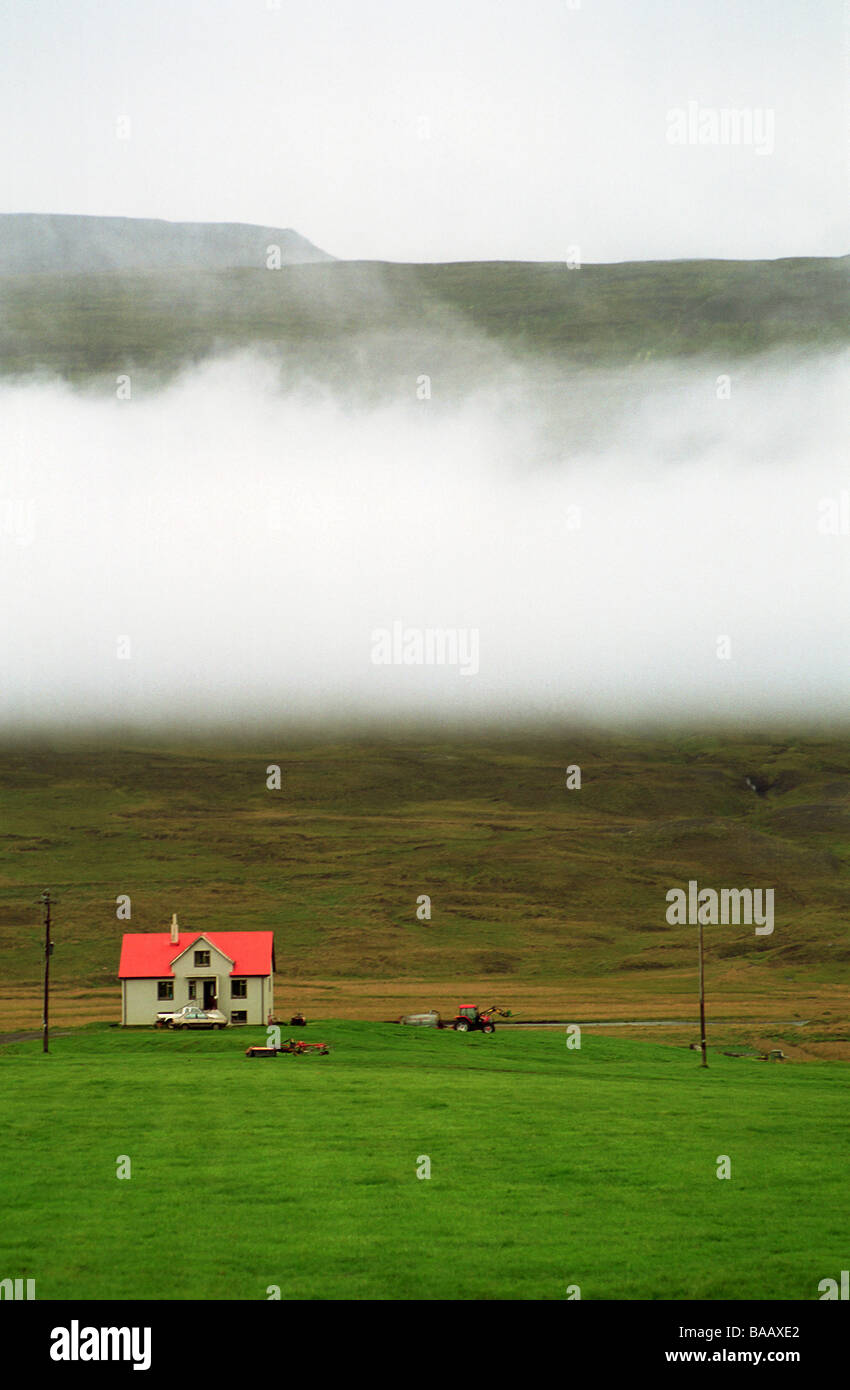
(549, 1167)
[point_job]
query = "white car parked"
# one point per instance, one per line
(190, 1016)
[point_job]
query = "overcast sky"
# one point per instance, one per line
(444, 131)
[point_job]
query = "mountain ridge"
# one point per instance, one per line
(49, 243)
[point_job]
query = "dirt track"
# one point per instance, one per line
(649, 1023)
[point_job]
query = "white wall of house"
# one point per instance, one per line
(259, 999)
(141, 1002)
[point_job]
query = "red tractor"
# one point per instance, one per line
(471, 1019)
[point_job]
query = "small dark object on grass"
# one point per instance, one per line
(760, 785)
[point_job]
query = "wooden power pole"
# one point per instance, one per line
(702, 1042)
(48, 948)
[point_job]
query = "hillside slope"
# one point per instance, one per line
(531, 885)
(369, 323)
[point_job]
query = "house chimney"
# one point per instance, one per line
(175, 930)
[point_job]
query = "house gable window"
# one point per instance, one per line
(165, 989)
(239, 989)
(202, 957)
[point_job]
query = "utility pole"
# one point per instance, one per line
(702, 997)
(48, 950)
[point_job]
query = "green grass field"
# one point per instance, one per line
(549, 1167)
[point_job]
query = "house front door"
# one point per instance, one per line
(209, 994)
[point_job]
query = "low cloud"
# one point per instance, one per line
(223, 550)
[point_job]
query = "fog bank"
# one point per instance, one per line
(224, 550)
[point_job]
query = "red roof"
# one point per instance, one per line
(148, 955)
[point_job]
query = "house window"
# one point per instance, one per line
(192, 989)
(239, 1016)
(165, 989)
(202, 957)
(239, 989)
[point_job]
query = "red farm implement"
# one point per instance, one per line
(291, 1048)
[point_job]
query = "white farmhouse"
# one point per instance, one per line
(228, 970)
